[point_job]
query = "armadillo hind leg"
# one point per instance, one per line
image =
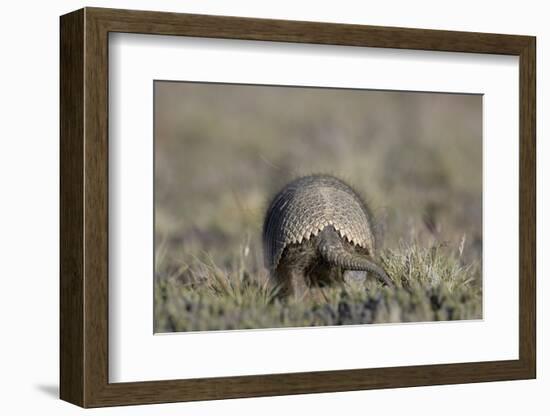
(291, 281)
(332, 249)
(294, 285)
(298, 285)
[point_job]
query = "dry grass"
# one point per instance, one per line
(432, 284)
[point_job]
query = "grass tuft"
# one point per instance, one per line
(432, 284)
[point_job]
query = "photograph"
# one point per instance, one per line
(298, 206)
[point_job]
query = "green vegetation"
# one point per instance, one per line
(222, 151)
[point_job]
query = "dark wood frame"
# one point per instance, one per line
(84, 208)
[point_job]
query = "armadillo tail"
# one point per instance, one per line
(334, 252)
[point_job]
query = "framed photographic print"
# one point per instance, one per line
(255, 207)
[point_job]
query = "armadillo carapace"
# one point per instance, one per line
(316, 228)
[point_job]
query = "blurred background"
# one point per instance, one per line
(222, 151)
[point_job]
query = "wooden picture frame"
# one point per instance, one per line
(84, 207)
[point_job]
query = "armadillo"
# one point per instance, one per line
(316, 228)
